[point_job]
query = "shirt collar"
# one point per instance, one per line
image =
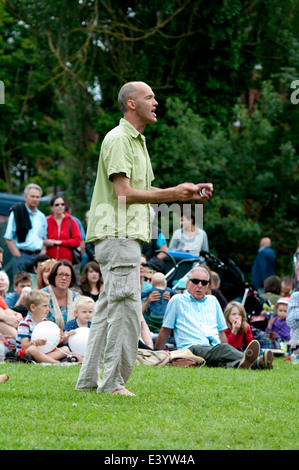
(29, 211)
(193, 299)
(131, 129)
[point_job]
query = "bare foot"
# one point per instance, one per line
(123, 391)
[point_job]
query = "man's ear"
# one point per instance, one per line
(131, 105)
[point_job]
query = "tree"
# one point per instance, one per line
(29, 137)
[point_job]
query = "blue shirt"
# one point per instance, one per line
(11, 299)
(155, 311)
(73, 325)
(194, 321)
(35, 237)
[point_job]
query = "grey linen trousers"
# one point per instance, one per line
(115, 329)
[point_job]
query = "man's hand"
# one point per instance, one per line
(182, 192)
(187, 191)
(205, 190)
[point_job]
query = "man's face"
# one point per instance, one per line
(198, 291)
(33, 198)
(146, 104)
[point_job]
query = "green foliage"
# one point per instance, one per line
(28, 136)
(254, 180)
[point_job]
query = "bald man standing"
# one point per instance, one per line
(264, 263)
(119, 222)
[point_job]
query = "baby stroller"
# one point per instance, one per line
(234, 285)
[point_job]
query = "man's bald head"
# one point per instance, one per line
(129, 91)
(265, 241)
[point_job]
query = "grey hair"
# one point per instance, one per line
(199, 268)
(32, 186)
(128, 91)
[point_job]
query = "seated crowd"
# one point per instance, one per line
(197, 317)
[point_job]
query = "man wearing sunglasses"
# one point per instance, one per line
(198, 324)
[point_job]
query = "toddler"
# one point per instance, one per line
(277, 324)
(83, 309)
(37, 304)
(155, 302)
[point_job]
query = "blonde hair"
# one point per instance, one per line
(35, 297)
(80, 300)
(241, 310)
(158, 279)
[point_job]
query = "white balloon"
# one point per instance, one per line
(78, 341)
(47, 330)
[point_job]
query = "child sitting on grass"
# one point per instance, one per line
(37, 304)
(277, 324)
(239, 334)
(83, 308)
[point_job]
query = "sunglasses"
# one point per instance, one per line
(147, 279)
(144, 265)
(59, 204)
(204, 282)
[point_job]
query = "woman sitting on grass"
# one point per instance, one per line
(62, 277)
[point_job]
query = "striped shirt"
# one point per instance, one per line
(25, 329)
(194, 321)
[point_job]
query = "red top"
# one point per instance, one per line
(240, 340)
(2, 303)
(63, 251)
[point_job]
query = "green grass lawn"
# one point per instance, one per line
(174, 409)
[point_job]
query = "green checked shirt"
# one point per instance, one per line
(123, 151)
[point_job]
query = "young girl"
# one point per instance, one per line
(91, 281)
(238, 333)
